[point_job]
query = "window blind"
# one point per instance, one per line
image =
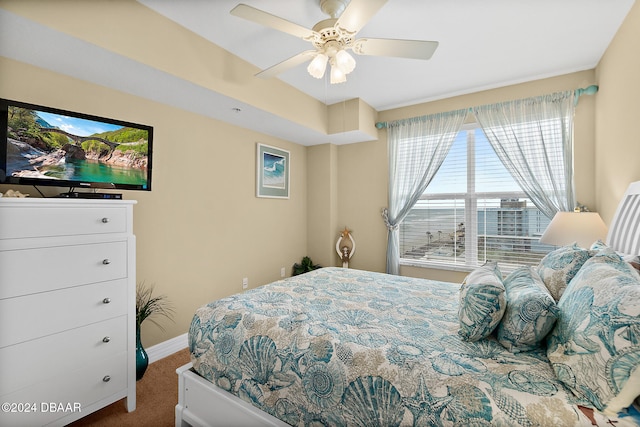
(473, 211)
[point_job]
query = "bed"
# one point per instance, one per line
(346, 347)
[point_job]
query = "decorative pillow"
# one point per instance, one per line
(595, 346)
(482, 302)
(531, 311)
(633, 260)
(598, 245)
(558, 267)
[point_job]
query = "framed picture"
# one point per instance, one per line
(272, 172)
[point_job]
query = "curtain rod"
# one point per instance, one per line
(589, 90)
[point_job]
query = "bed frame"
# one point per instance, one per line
(201, 403)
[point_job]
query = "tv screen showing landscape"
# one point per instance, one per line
(47, 146)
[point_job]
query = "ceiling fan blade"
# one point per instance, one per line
(268, 20)
(286, 64)
(358, 13)
(415, 49)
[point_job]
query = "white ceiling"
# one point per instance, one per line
(483, 44)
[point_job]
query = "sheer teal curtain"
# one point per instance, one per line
(417, 147)
(533, 138)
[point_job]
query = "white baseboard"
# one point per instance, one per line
(167, 348)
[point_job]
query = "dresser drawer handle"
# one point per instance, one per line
(106, 300)
(106, 378)
(106, 339)
(106, 261)
(105, 220)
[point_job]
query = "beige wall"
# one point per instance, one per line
(322, 204)
(201, 229)
(362, 193)
(617, 150)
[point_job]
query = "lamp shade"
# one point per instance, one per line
(318, 65)
(337, 75)
(345, 62)
(583, 228)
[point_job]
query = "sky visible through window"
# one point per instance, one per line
(491, 175)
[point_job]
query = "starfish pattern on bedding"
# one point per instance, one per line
(290, 357)
(607, 319)
(425, 408)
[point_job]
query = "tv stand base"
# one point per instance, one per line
(78, 195)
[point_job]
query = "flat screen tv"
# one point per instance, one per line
(48, 146)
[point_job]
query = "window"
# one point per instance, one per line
(473, 211)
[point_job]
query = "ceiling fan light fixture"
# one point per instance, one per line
(318, 65)
(333, 37)
(345, 62)
(337, 75)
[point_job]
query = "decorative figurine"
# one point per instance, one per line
(345, 252)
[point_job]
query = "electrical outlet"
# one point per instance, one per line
(245, 283)
(282, 272)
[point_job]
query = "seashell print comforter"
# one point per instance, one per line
(343, 347)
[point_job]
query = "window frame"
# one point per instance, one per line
(470, 199)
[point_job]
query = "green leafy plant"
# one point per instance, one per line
(305, 265)
(148, 305)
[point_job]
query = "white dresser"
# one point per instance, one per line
(67, 309)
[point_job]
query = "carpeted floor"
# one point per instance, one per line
(156, 398)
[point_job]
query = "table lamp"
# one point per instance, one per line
(583, 228)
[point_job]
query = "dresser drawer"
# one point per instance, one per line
(33, 316)
(35, 270)
(37, 360)
(24, 222)
(78, 388)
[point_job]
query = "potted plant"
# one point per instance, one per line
(305, 265)
(148, 306)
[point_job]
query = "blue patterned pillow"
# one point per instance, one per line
(531, 311)
(558, 267)
(598, 245)
(482, 302)
(633, 260)
(595, 346)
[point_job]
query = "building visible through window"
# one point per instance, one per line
(473, 211)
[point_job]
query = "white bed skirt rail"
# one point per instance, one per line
(201, 403)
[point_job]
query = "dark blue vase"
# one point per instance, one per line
(142, 360)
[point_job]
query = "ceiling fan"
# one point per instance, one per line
(332, 38)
